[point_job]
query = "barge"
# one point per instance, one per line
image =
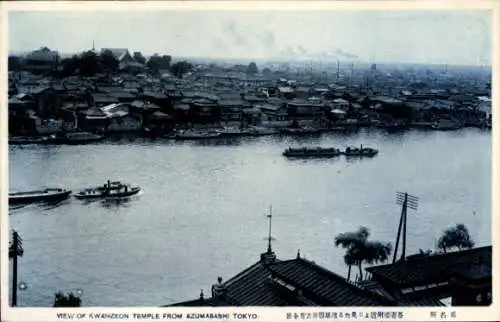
(45, 195)
(311, 152)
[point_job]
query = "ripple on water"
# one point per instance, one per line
(202, 212)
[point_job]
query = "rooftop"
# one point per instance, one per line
(430, 269)
(296, 282)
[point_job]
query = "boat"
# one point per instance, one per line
(311, 152)
(336, 129)
(18, 140)
(446, 125)
(75, 138)
(300, 130)
(197, 135)
(48, 195)
(392, 125)
(421, 125)
(232, 131)
(360, 152)
(111, 189)
(258, 131)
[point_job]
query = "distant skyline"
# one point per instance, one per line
(427, 37)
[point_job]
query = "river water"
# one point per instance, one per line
(202, 210)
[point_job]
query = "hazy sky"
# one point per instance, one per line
(453, 37)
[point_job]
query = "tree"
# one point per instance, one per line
(108, 61)
(165, 61)
(139, 57)
(180, 68)
(252, 68)
(359, 249)
(457, 236)
(70, 65)
(157, 62)
(154, 63)
(88, 64)
(266, 71)
(70, 300)
(14, 63)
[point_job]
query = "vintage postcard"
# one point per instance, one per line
(236, 161)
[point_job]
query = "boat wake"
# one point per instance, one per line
(43, 205)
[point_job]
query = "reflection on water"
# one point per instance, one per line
(115, 202)
(202, 215)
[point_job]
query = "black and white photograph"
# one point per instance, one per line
(189, 157)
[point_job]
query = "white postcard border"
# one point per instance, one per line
(491, 313)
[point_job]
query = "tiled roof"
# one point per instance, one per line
(296, 282)
(430, 269)
(323, 286)
(249, 288)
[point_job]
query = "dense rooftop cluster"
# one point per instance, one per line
(137, 95)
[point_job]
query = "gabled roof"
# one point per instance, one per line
(426, 270)
(43, 53)
(323, 286)
(295, 282)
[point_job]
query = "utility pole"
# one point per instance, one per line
(406, 201)
(15, 250)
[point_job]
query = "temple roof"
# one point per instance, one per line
(295, 282)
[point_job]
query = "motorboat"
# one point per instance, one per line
(111, 189)
(44, 195)
(311, 152)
